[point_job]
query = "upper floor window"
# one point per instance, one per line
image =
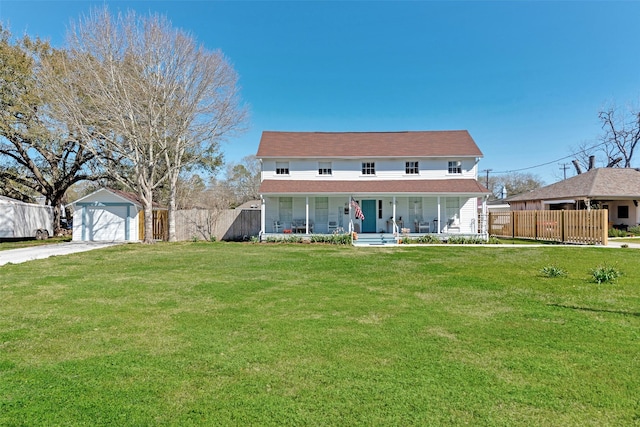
(455, 167)
(324, 168)
(282, 168)
(411, 168)
(368, 168)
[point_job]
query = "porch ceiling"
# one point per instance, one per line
(414, 186)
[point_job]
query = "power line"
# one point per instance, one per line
(552, 161)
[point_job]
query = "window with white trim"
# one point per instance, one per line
(368, 168)
(324, 168)
(411, 168)
(282, 168)
(285, 210)
(455, 167)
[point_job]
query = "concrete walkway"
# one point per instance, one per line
(613, 243)
(16, 256)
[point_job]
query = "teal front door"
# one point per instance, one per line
(369, 211)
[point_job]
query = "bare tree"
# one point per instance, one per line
(513, 183)
(621, 135)
(148, 97)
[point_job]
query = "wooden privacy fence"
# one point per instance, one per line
(230, 224)
(581, 227)
(160, 225)
(202, 224)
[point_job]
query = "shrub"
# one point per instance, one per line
(605, 273)
(333, 239)
(462, 240)
(635, 230)
(614, 232)
(553, 271)
(494, 241)
(427, 239)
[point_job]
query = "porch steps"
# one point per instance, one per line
(375, 239)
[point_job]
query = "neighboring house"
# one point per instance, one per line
(108, 215)
(615, 189)
(314, 182)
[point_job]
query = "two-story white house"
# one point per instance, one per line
(422, 181)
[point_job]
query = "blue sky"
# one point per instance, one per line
(526, 79)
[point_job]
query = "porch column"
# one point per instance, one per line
(350, 222)
(439, 219)
(306, 219)
(485, 219)
(263, 212)
(395, 225)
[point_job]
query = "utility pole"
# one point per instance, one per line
(564, 168)
(487, 181)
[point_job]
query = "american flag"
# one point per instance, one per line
(358, 212)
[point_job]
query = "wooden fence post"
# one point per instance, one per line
(513, 225)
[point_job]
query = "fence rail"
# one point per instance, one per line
(581, 227)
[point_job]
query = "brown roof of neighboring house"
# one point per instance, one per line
(600, 183)
(451, 143)
(133, 197)
(414, 186)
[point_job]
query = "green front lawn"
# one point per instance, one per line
(25, 243)
(254, 334)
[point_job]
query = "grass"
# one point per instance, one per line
(248, 334)
(25, 243)
(626, 239)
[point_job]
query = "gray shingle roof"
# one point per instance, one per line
(600, 183)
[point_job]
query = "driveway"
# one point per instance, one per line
(16, 256)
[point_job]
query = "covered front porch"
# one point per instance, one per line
(389, 214)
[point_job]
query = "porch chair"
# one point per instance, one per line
(453, 224)
(333, 225)
(422, 226)
(277, 226)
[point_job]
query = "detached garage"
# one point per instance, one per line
(107, 215)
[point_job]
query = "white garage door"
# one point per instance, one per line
(106, 223)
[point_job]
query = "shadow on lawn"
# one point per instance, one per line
(596, 310)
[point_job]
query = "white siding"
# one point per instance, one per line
(106, 223)
(392, 169)
(102, 216)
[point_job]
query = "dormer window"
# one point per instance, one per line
(455, 167)
(411, 168)
(368, 168)
(282, 168)
(324, 168)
